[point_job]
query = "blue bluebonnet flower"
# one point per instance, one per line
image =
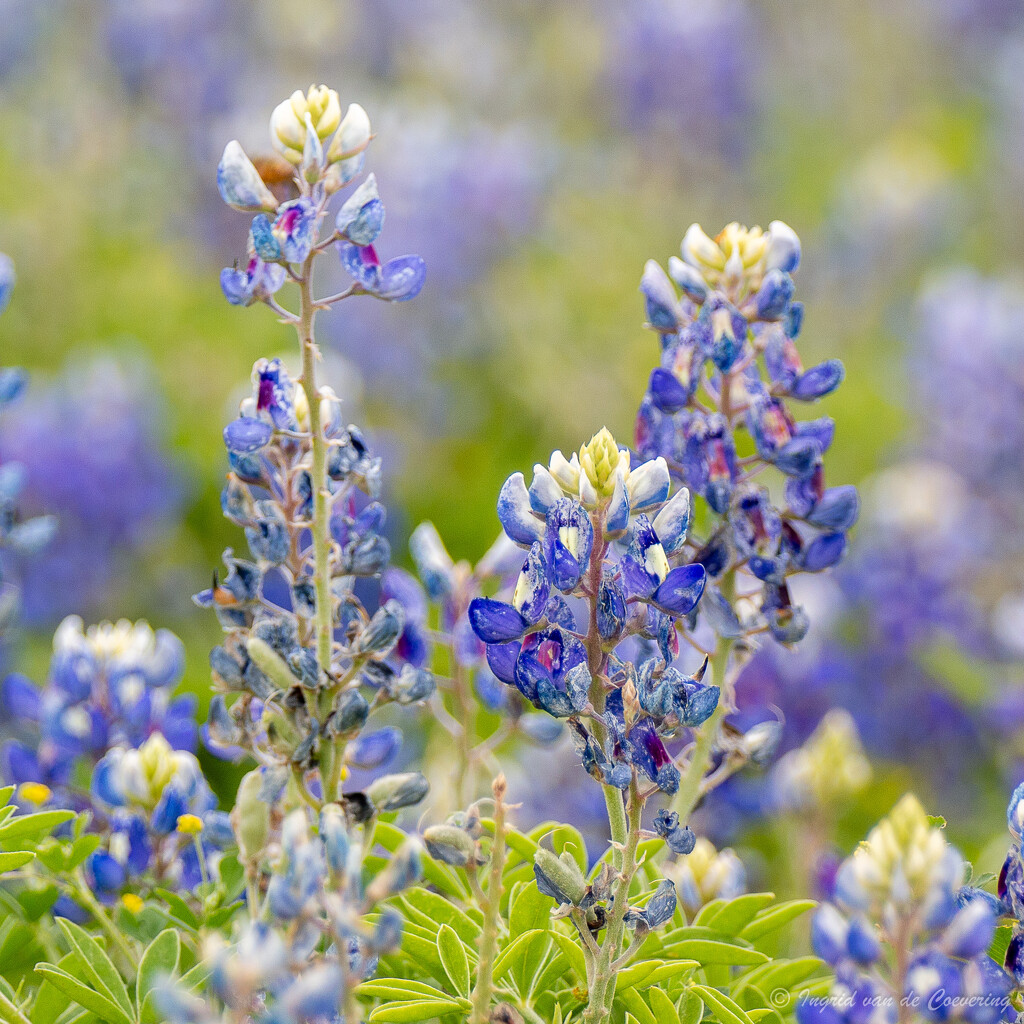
(109, 685)
(303, 487)
(604, 530)
(118, 489)
(158, 819)
(1011, 886)
(727, 322)
(895, 932)
(300, 959)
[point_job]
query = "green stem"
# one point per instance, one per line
(602, 983)
(483, 990)
(330, 755)
(84, 893)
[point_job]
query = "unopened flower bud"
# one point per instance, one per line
(559, 877)
(352, 137)
(393, 792)
(289, 126)
(250, 817)
(240, 183)
(450, 844)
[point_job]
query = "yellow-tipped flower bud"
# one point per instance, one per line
(600, 461)
(288, 124)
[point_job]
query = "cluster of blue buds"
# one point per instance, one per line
(327, 152)
(267, 604)
(304, 658)
(314, 929)
(158, 819)
(22, 536)
(601, 534)
(718, 410)
(109, 685)
(901, 932)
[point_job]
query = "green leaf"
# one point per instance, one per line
(97, 965)
(160, 960)
(663, 1007)
(738, 913)
(692, 1008)
(436, 909)
(936, 821)
(453, 959)
(400, 990)
(6, 792)
(529, 909)
(640, 1010)
(28, 828)
(706, 913)
(10, 1012)
(13, 861)
(775, 917)
(710, 952)
(416, 1012)
(565, 837)
(573, 953)
(727, 1010)
(80, 849)
(439, 875)
(635, 975)
(104, 1008)
(514, 953)
(178, 908)
(786, 973)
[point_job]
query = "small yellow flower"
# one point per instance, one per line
(190, 824)
(132, 903)
(34, 792)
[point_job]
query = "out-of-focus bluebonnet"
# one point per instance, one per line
(895, 932)
(1011, 886)
(707, 874)
(301, 953)
(158, 819)
(109, 685)
(91, 446)
(686, 73)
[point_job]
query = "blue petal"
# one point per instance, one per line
(514, 512)
(681, 589)
(819, 381)
(495, 622)
(247, 434)
(402, 278)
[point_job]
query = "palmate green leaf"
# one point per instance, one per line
(735, 915)
(430, 908)
(776, 917)
(160, 960)
(99, 971)
(454, 959)
(573, 953)
(726, 1009)
(13, 861)
(417, 1011)
(104, 1008)
(400, 990)
(708, 951)
(29, 829)
(513, 955)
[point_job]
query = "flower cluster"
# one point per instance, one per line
(301, 647)
(901, 932)
(707, 874)
(602, 532)
(307, 941)
(158, 819)
(729, 376)
(1011, 886)
(108, 686)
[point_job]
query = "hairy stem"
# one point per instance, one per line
(330, 759)
(482, 991)
(602, 983)
(82, 891)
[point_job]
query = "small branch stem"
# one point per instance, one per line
(491, 905)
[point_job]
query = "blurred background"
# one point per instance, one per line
(536, 154)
